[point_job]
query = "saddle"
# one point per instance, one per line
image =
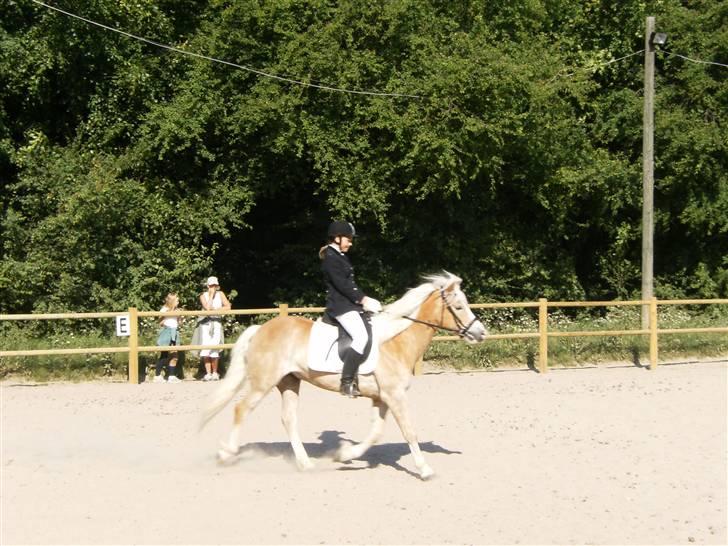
(328, 342)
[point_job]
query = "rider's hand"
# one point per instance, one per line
(371, 305)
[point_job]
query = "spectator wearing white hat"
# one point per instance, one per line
(211, 327)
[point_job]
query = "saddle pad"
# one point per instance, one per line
(323, 351)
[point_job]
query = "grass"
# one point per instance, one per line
(575, 351)
(493, 354)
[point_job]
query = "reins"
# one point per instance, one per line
(462, 329)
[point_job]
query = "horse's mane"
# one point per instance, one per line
(389, 322)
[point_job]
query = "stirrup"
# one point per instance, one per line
(349, 389)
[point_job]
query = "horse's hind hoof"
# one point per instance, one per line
(344, 454)
(225, 457)
(226, 454)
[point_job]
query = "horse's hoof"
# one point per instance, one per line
(224, 457)
(344, 454)
(426, 473)
(305, 465)
(226, 454)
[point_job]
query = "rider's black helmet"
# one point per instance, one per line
(340, 228)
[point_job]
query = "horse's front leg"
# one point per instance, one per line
(289, 387)
(397, 402)
(348, 452)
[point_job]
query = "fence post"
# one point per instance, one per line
(283, 309)
(543, 338)
(653, 333)
(133, 346)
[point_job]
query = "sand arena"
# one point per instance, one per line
(604, 455)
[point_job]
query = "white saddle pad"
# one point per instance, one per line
(323, 351)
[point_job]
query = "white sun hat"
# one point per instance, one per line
(212, 281)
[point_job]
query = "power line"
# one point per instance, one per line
(597, 66)
(235, 65)
(321, 85)
(631, 55)
(693, 60)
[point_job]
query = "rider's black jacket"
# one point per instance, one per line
(343, 295)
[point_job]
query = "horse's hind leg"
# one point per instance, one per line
(289, 387)
(398, 404)
(348, 452)
(249, 400)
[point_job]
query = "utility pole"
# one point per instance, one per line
(648, 181)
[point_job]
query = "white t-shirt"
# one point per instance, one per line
(216, 302)
(169, 322)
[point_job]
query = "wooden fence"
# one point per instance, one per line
(543, 334)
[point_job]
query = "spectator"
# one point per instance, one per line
(211, 332)
(168, 335)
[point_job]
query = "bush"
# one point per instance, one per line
(574, 351)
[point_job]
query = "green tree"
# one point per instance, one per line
(128, 169)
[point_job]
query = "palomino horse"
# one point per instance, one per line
(275, 354)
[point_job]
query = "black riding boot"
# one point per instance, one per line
(349, 384)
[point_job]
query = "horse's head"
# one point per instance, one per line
(454, 312)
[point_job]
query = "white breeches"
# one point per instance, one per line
(354, 326)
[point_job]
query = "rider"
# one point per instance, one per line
(345, 302)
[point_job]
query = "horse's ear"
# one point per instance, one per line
(452, 286)
(454, 281)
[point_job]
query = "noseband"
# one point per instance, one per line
(462, 330)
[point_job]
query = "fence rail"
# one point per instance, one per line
(543, 334)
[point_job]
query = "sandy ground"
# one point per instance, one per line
(607, 455)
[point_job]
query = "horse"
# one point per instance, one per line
(274, 354)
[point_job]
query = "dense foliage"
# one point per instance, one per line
(127, 170)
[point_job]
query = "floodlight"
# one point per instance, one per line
(658, 38)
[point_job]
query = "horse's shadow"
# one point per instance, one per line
(331, 440)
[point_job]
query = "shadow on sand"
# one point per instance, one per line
(330, 440)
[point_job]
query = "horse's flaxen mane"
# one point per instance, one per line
(389, 322)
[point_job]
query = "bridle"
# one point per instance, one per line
(462, 329)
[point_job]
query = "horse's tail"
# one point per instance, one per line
(233, 378)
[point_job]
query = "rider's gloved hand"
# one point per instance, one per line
(371, 305)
